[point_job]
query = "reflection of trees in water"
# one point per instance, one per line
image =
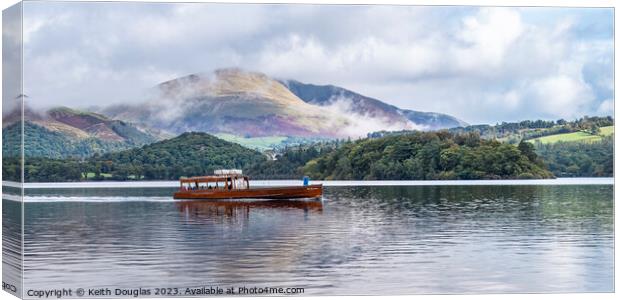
(424, 194)
(524, 201)
(218, 210)
(11, 242)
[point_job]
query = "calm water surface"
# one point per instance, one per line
(359, 240)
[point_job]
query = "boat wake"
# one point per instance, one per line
(114, 199)
(39, 199)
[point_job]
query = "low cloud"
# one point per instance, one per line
(360, 124)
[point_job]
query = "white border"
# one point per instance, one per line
(561, 3)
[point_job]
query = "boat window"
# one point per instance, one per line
(240, 183)
(189, 185)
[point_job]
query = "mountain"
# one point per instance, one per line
(433, 120)
(63, 132)
(250, 104)
(330, 95)
(230, 101)
(236, 104)
(99, 126)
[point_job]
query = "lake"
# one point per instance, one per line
(359, 240)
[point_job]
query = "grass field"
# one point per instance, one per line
(608, 130)
(91, 175)
(259, 143)
(576, 136)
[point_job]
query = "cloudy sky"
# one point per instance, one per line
(483, 65)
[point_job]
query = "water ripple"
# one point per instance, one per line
(363, 240)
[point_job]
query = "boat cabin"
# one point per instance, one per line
(215, 182)
(232, 184)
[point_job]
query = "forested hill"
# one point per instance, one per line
(63, 132)
(579, 158)
(527, 130)
(514, 132)
(414, 156)
(578, 148)
(189, 154)
(42, 142)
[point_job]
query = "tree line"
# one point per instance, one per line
(428, 156)
(406, 156)
(579, 159)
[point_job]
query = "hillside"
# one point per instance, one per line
(585, 153)
(514, 132)
(190, 154)
(579, 136)
(262, 143)
(98, 126)
(269, 143)
(330, 96)
(578, 148)
(415, 156)
(42, 142)
(63, 132)
(579, 158)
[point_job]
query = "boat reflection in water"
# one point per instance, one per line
(242, 209)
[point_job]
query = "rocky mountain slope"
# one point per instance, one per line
(64, 132)
(251, 104)
(231, 101)
(330, 96)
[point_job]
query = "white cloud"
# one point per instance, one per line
(606, 108)
(561, 96)
(479, 64)
(487, 37)
(360, 124)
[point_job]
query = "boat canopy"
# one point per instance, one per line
(228, 172)
(212, 178)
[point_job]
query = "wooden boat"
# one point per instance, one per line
(231, 184)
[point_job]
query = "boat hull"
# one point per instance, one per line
(293, 192)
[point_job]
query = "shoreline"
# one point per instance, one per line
(327, 183)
